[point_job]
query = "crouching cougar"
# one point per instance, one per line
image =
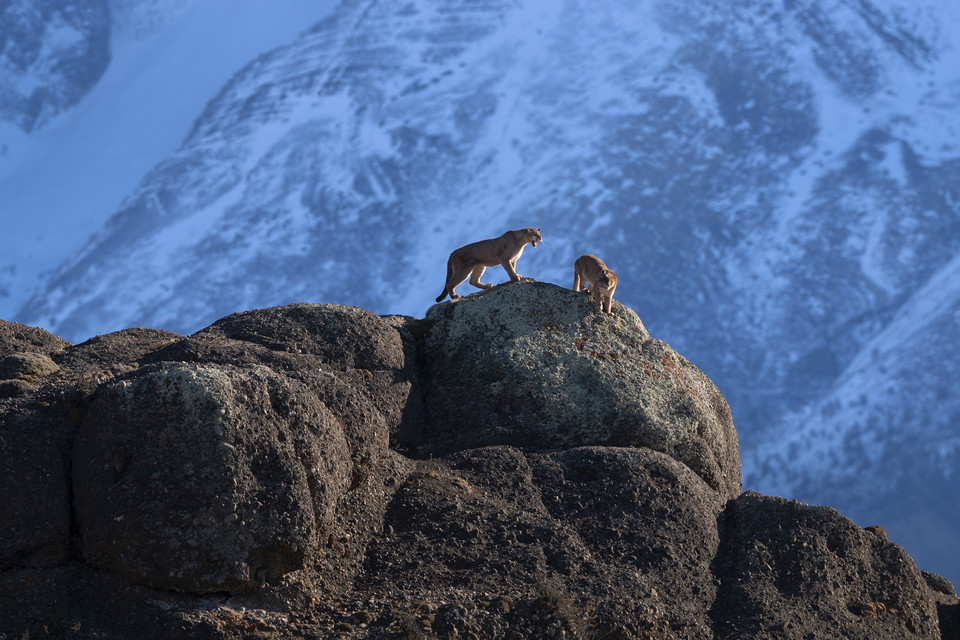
(472, 259)
(603, 281)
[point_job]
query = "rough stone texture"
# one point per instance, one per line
(116, 352)
(27, 366)
(356, 360)
(798, 571)
(257, 479)
(19, 338)
(35, 434)
(630, 532)
(21, 373)
(534, 365)
(206, 478)
(75, 601)
(649, 525)
(40, 411)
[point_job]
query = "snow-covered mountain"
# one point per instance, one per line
(63, 171)
(777, 185)
(51, 53)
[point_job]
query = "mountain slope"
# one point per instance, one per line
(776, 185)
(51, 53)
(62, 178)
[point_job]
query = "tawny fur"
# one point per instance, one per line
(474, 258)
(603, 281)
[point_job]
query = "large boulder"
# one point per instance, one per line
(536, 366)
(594, 540)
(791, 570)
(358, 362)
(206, 478)
(22, 372)
(35, 522)
(253, 459)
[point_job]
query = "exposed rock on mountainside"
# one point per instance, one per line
(514, 465)
(51, 53)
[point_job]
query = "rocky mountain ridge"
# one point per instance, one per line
(513, 465)
(774, 182)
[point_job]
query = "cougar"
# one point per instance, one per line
(603, 281)
(473, 259)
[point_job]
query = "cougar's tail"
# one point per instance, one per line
(446, 285)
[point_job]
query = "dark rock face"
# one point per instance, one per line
(35, 518)
(206, 478)
(316, 471)
(821, 576)
(35, 432)
(19, 338)
(357, 361)
(535, 366)
(632, 528)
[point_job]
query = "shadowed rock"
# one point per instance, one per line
(35, 517)
(20, 338)
(796, 570)
(206, 478)
(357, 361)
(574, 480)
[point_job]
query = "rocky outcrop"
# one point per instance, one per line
(514, 465)
(532, 367)
(206, 478)
(35, 449)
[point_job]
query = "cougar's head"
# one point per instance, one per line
(535, 237)
(607, 279)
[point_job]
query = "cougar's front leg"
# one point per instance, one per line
(508, 266)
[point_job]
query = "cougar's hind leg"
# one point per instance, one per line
(475, 278)
(456, 279)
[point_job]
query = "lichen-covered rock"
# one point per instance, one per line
(206, 478)
(534, 365)
(254, 458)
(356, 360)
(30, 367)
(21, 373)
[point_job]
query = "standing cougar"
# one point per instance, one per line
(474, 258)
(591, 269)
